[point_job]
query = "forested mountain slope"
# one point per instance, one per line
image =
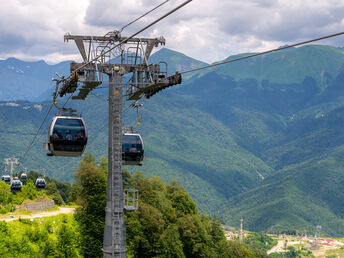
(267, 129)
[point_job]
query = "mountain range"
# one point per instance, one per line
(23, 80)
(260, 139)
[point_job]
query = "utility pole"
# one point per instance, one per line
(127, 56)
(317, 234)
(43, 172)
(12, 162)
(241, 226)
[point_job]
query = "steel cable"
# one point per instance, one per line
(34, 138)
(262, 53)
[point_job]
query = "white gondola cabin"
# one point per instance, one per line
(67, 136)
(16, 185)
(6, 179)
(23, 177)
(132, 149)
(40, 183)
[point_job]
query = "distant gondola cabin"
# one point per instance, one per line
(132, 149)
(16, 185)
(40, 183)
(6, 179)
(23, 176)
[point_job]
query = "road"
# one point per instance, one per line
(61, 210)
(279, 248)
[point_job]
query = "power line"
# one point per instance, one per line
(144, 15)
(101, 98)
(133, 35)
(67, 100)
(98, 130)
(262, 53)
(102, 127)
(34, 138)
(137, 19)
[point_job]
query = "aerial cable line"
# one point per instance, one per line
(102, 127)
(143, 15)
(98, 130)
(34, 138)
(67, 100)
(101, 98)
(25, 170)
(128, 38)
(262, 53)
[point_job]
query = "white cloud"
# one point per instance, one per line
(33, 30)
(208, 30)
(38, 107)
(10, 104)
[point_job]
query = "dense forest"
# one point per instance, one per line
(167, 223)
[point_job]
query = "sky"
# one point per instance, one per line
(207, 30)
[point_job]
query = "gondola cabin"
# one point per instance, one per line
(132, 149)
(67, 136)
(23, 177)
(16, 185)
(40, 183)
(6, 179)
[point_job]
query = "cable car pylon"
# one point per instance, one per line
(116, 56)
(144, 78)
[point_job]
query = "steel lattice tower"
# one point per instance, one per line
(117, 56)
(12, 162)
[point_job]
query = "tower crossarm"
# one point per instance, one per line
(159, 84)
(115, 38)
(110, 39)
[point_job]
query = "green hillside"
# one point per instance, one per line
(199, 151)
(175, 61)
(298, 197)
(245, 139)
(288, 66)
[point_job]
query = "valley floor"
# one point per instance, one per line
(326, 247)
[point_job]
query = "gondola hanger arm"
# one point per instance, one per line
(62, 109)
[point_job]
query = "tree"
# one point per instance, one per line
(103, 164)
(91, 215)
(167, 223)
(4, 192)
(54, 193)
(171, 245)
(49, 248)
(66, 244)
(181, 201)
